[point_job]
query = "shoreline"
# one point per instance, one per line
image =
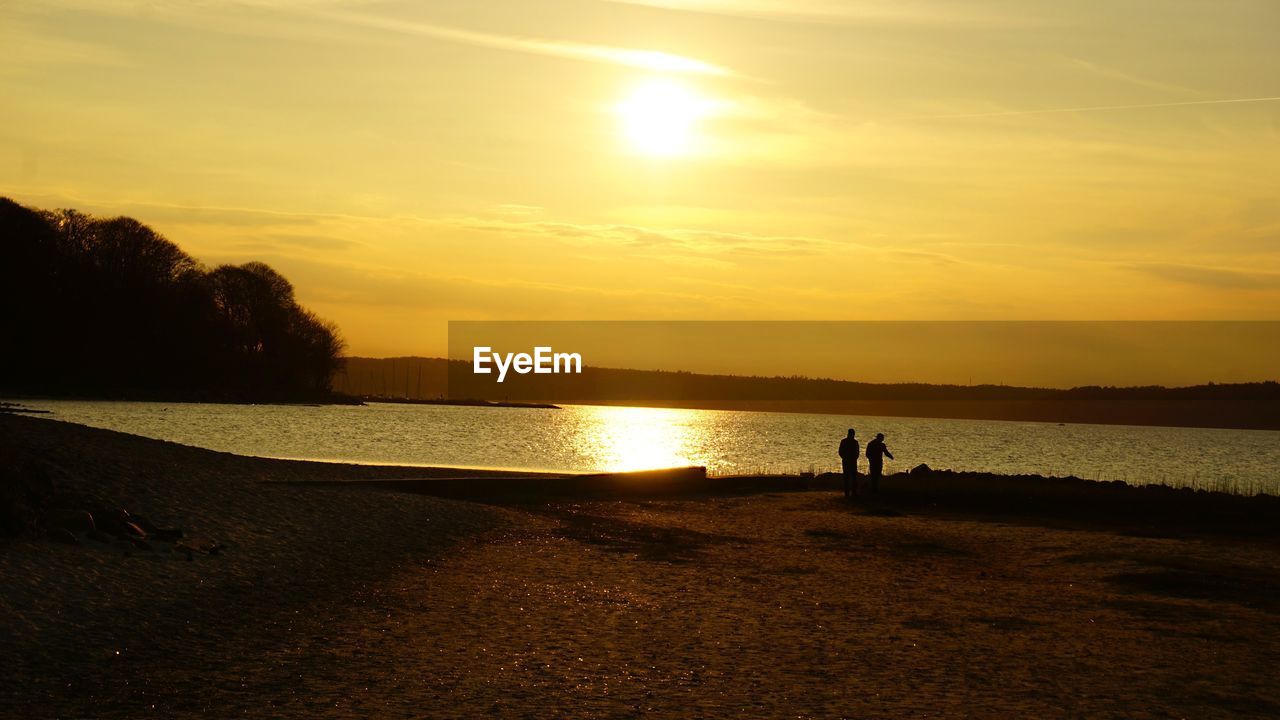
(1233, 461)
(345, 591)
(923, 489)
(465, 402)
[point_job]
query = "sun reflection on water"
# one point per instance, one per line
(621, 439)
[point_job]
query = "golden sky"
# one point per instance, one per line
(408, 163)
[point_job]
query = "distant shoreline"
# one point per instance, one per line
(923, 410)
(336, 399)
(462, 403)
(1238, 406)
(329, 399)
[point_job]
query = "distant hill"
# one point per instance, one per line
(1241, 405)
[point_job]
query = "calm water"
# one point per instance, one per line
(620, 438)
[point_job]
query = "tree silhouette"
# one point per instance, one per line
(109, 307)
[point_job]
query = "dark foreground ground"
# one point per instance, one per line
(341, 600)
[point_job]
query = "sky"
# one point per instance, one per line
(410, 163)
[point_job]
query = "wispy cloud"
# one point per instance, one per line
(1211, 277)
(136, 7)
(1111, 73)
(629, 57)
(345, 284)
(275, 18)
(925, 256)
(1093, 108)
(26, 46)
(913, 12)
(162, 212)
(310, 242)
(666, 240)
(516, 210)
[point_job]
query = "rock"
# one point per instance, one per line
(203, 546)
(64, 536)
(921, 469)
(76, 521)
(111, 520)
(16, 515)
(26, 488)
(167, 535)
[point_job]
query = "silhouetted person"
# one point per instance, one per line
(849, 451)
(875, 460)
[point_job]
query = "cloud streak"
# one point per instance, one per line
(678, 240)
(652, 60)
(1110, 73)
(1218, 278)
(26, 46)
(197, 13)
(1092, 108)
(840, 12)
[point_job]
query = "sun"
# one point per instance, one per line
(660, 117)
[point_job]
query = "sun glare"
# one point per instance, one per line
(623, 439)
(660, 117)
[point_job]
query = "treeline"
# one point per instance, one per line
(620, 385)
(419, 378)
(107, 307)
(1237, 405)
(402, 378)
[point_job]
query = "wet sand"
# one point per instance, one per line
(349, 601)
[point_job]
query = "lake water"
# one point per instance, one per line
(596, 438)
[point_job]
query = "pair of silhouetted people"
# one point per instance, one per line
(850, 450)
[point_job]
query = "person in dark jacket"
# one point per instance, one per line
(849, 452)
(876, 453)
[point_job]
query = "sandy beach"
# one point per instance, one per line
(346, 600)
